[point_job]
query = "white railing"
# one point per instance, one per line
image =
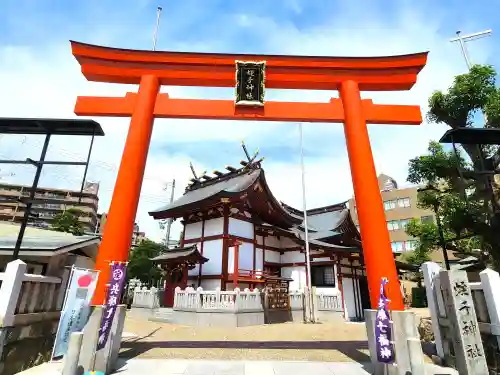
(27, 298)
(296, 300)
(329, 302)
(231, 301)
(147, 298)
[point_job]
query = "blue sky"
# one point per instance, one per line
(40, 78)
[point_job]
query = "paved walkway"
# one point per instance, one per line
(190, 367)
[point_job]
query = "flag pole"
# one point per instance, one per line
(306, 229)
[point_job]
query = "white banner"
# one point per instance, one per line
(76, 307)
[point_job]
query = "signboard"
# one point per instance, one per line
(468, 346)
(76, 307)
(113, 298)
(277, 294)
(383, 333)
(250, 83)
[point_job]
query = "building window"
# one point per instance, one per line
(410, 245)
(404, 202)
(323, 276)
(427, 219)
(397, 246)
(389, 205)
(403, 223)
(393, 225)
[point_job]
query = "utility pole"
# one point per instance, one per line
(169, 221)
(306, 229)
(462, 39)
(155, 35)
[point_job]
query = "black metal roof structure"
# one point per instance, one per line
(47, 127)
(472, 136)
(43, 126)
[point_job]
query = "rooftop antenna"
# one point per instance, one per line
(155, 35)
(462, 39)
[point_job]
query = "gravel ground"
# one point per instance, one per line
(335, 342)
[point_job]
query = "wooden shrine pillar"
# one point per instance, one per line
(377, 252)
(116, 242)
(236, 266)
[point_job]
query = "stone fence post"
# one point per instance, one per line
(9, 291)
(431, 273)
(490, 282)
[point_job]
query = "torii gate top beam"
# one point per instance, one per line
(115, 65)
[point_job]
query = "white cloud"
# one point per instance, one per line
(45, 81)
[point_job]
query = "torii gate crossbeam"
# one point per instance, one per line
(349, 75)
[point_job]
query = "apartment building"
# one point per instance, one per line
(400, 205)
(137, 235)
(50, 203)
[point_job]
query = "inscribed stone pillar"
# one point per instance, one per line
(469, 353)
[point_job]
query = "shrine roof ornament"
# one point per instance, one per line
(115, 65)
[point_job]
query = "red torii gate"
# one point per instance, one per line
(349, 75)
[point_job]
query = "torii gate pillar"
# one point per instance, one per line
(150, 69)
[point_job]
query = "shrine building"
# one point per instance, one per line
(235, 211)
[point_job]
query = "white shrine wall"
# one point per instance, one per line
(213, 251)
(259, 240)
(240, 228)
(294, 256)
(298, 274)
(245, 258)
(273, 241)
(350, 298)
(211, 284)
(287, 242)
(259, 266)
(214, 227)
(193, 230)
(241, 286)
(272, 256)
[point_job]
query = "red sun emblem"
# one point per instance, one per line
(84, 281)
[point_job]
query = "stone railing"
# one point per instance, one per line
(231, 301)
(296, 300)
(147, 298)
(30, 307)
(329, 302)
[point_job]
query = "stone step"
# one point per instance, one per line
(164, 316)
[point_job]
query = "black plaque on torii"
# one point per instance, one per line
(250, 83)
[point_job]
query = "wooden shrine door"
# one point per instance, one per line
(177, 278)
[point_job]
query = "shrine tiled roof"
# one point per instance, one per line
(324, 223)
(238, 183)
(181, 254)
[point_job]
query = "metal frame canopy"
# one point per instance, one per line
(349, 75)
(47, 127)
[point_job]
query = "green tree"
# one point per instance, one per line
(140, 265)
(454, 190)
(68, 221)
